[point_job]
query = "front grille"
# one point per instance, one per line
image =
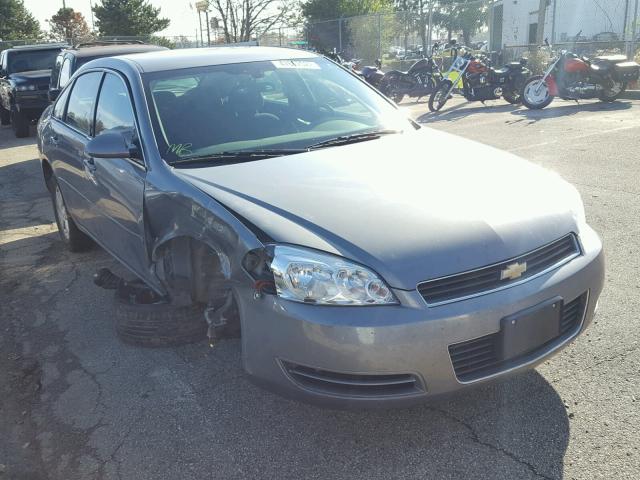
(43, 87)
(477, 282)
(348, 385)
(481, 357)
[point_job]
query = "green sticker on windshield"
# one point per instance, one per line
(301, 64)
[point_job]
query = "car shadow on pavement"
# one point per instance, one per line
(462, 110)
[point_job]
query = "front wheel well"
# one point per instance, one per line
(192, 271)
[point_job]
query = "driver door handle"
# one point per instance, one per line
(55, 140)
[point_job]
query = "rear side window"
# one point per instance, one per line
(114, 106)
(65, 73)
(82, 100)
(58, 110)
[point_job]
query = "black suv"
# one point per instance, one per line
(71, 59)
(24, 82)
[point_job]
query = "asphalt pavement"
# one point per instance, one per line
(75, 403)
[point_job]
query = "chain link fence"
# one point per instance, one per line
(505, 30)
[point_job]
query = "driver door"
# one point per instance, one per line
(118, 182)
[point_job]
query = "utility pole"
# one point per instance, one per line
(203, 6)
(430, 29)
(93, 26)
(206, 14)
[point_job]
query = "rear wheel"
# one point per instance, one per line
(5, 116)
(74, 239)
(390, 88)
(536, 94)
(20, 124)
(613, 92)
(440, 95)
(514, 97)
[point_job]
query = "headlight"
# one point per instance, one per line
(308, 276)
(25, 88)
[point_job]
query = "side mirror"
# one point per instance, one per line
(112, 144)
(54, 93)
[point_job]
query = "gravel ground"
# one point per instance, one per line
(75, 403)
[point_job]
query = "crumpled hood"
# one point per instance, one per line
(412, 207)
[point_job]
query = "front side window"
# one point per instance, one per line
(65, 73)
(268, 105)
(114, 110)
(29, 61)
(82, 100)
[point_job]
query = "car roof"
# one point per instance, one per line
(44, 46)
(201, 57)
(111, 50)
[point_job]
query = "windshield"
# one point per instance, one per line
(268, 105)
(28, 61)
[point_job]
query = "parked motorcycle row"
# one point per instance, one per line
(569, 77)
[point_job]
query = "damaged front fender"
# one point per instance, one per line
(196, 246)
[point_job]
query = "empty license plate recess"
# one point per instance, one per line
(530, 329)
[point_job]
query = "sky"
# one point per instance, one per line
(184, 20)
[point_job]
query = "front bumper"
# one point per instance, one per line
(395, 344)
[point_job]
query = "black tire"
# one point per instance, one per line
(613, 95)
(145, 320)
(535, 105)
(514, 97)
(5, 116)
(440, 96)
(74, 239)
(20, 124)
(389, 88)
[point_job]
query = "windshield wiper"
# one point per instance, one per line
(355, 138)
(235, 157)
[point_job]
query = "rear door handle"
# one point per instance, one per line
(54, 140)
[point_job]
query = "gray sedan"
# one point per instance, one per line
(370, 262)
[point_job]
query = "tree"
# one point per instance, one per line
(128, 18)
(542, 18)
(465, 16)
(319, 10)
(68, 24)
(242, 20)
(16, 22)
(362, 34)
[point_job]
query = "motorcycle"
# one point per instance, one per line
(571, 77)
(480, 82)
(419, 81)
(372, 75)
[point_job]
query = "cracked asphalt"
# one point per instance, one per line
(75, 403)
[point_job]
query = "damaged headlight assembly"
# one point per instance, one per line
(308, 276)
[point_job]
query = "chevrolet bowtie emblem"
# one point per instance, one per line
(513, 271)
